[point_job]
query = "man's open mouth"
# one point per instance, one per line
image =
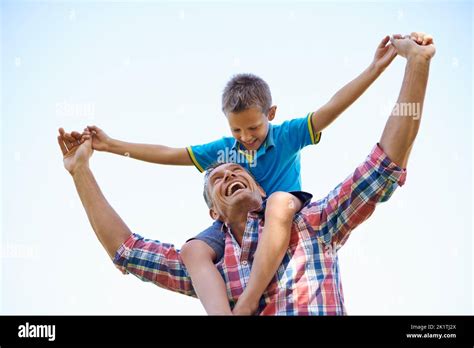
(234, 187)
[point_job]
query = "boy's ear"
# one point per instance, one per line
(272, 112)
(213, 214)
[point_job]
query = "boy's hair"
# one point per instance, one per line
(245, 91)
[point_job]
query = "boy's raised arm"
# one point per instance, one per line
(152, 153)
(348, 94)
(145, 152)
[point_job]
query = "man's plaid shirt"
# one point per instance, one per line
(308, 281)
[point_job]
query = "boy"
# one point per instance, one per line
(271, 153)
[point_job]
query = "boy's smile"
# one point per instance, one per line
(250, 127)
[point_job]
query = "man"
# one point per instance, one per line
(308, 280)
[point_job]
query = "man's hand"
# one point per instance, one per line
(100, 140)
(75, 153)
(421, 38)
(415, 45)
(384, 54)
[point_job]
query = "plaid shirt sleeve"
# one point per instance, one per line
(156, 262)
(354, 200)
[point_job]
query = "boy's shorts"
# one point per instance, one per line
(215, 237)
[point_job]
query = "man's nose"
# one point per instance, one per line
(228, 174)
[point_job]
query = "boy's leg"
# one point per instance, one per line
(280, 211)
(198, 257)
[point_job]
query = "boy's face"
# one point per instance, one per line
(250, 127)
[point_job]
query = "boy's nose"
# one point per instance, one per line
(246, 137)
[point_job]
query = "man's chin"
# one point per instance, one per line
(247, 200)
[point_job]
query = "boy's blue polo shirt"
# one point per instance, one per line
(276, 164)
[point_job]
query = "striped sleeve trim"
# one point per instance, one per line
(314, 138)
(193, 159)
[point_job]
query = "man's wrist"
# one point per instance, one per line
(418, 58)
(80, 170)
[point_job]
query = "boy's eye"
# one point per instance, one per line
(253, 128)
(235, 130)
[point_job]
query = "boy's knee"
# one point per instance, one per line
(196, 250)
(284, 204)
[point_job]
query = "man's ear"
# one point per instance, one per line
(272, 112)
(213, 214)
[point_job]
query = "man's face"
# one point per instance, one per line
(250, 127)
(233, 192)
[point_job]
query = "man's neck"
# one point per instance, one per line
(237, 226)
(238, 214)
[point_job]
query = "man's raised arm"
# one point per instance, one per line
(147, 259)
(111, 231)
(375, 180)
(402, 126)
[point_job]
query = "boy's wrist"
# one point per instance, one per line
(113, 146)
(375, 69)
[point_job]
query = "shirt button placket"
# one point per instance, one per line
(245, 269)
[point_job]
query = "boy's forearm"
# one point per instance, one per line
(354, 89)
(344, 98)
(159, 154)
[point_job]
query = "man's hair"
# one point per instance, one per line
(208, 172)
(245, 91)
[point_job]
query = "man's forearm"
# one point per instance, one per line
(107, 224)
(159, 154)
(344, 98)
(403, 124)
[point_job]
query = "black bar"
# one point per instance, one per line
(158, 330)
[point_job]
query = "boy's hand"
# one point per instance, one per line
(100, 140)
(384, 54)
